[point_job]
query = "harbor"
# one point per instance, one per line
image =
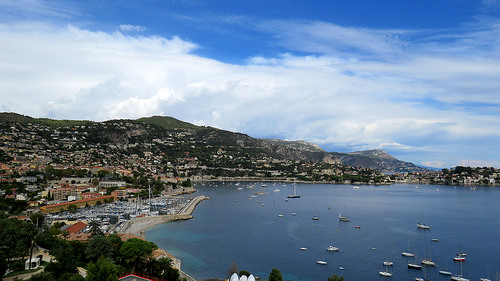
(383, 219)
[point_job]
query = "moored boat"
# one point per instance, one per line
(332, 248)
(423, 226)
(344, 217)
(428, 262)
(414, 266)
(321, 262)
(444, 272)
(294, 192)
(407, 253)
(385, 273)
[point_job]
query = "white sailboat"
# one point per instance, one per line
(423, 226)
(344, 218)
(387, 262)
(459, 277)
(445, 272)
(294, 192)
(322, 262)
(407, 253)
(385, 273)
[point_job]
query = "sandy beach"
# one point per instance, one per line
(137, 225)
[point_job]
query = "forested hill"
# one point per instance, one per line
(174, 138)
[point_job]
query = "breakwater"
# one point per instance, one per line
(138, 225)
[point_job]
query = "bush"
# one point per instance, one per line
(17, 265)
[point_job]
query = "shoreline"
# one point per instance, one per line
(138, 226)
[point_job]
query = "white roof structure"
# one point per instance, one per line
(234, 277)
(243, 278)
(251, 278)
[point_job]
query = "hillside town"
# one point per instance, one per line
(118, 178)
(47, 166)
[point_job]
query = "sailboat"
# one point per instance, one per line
(428, 261)
(422, 279)
(408, 253)
(387, 262)
(385, 273)
(322, 262)
(423, 226)
(459, 277)
(414, 265)
(294, 192)
(460, 255)
(344, 218)
(445, 272)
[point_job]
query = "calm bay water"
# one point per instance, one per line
(234, 227)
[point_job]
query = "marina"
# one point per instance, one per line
(387, 213)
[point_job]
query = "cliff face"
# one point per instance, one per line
(298, 150)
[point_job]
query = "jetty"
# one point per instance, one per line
(138, 225)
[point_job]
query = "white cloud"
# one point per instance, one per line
(413, 104)
(129, 27)
(434, 164)
(478, 163)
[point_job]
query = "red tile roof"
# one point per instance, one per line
(77, 227)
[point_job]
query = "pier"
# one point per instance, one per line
(138, 225)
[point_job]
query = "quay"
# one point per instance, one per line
(137, 226)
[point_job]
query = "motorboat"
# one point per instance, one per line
(303, 249)
(388, 263)
(321, 262)
(332, 248)
(423, 226)
(315, 218)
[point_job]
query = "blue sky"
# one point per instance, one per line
(419, 79)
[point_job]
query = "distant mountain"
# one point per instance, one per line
(377, 160)
(201, 139)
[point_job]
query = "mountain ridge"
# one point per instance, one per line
(298, 150)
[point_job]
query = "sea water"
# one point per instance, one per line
(235, 226)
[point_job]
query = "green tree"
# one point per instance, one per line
(95, 228)
(275, 275)
(72, 208)
(244, 272)
(335, 278)
(161, 268)
(99, 246)
(135, 252)
(37, 219)
(103, 270)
